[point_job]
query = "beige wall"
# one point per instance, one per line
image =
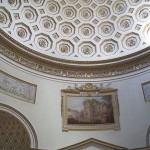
(45, 114)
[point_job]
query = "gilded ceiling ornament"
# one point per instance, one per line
(29, 15)
(78, 22)
(52, 8)
(120, 7)
(11, 2)
(125, 23)
(47, 24)
(106, 29)
(21, 32)
(100, 1)
(131, 41)
(37, 1)
(66, 30)
(42, 42)
(64, 48)
(144, 13)
(72, 1)
(3, 18)
(86, 14)
(109, 48)
(86, 1)
(103, 12)
(69, 12)
(86, 50)
(86, 31)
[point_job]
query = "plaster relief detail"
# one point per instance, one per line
(131, 41)
(106, 28)
(47, 23)
(86, 14)
(67, 29)
(29, 14)
(41, 24)
(143, 13)
(65, 47)
(43, 42)
(37, 2)
(5, 18)
(52, 7)
(86, 30)
(17, 88)
(22, 32)
(125, 23)
(87, 49)
(119, 7)
(14, 4)
(81, 74)
(103, 12)
(109, 47)
(135, 2)
(69, 12)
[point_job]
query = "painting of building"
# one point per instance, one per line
(91, 110)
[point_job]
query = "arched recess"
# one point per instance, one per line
(148, 137)
(15, 130)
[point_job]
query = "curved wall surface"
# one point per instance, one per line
(45, 114)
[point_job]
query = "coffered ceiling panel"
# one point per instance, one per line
(78, 30)
(76, 38)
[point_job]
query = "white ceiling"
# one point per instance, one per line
(85, 30)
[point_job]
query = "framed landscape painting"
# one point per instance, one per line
(90, 108)
(146, 91)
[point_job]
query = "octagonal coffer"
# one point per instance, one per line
(43, 42)
(87, 49)
(106, 28)
(119, 6)
(5, 18)
(86, 14)
(29, 14)
(14, 4)
(125, 23)
(47, 23)
(86, 30)
(65, 47)
(37, 3)
(131, 41)
(69, 12)
(103, 12)
(67, 29)
(143, 13)
(109, 47)
(135, 2)
(22, 32)
(52, 7)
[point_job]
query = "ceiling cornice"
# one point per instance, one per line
(21, 54)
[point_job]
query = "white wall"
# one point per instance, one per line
(45, 114)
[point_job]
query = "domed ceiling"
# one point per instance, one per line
(78, 30)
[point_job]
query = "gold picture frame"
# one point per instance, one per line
(89, 107)
(146, 91)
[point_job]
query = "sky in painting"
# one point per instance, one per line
(76, 103)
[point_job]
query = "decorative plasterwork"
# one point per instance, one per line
(77, 39)
(103, 70)
(13, 133)
(95, 143)
(24, 121)
(43, 24)
(17, 88)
